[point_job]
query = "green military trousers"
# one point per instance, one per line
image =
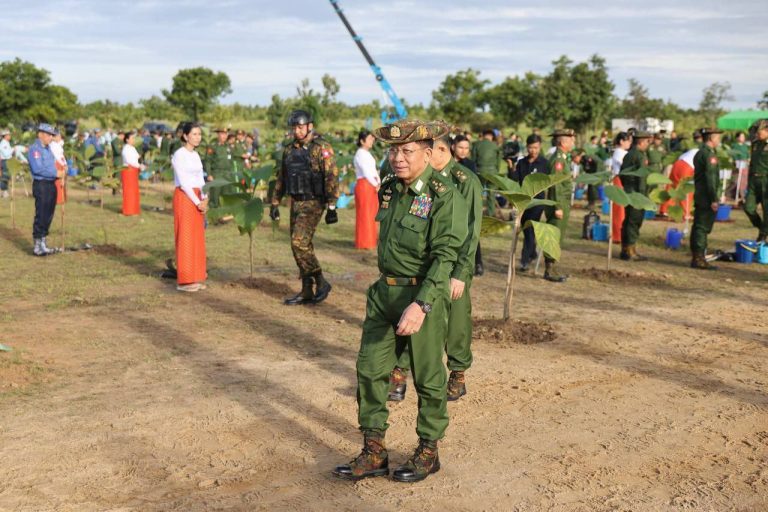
(561, 224)
(630, 229)
(378, 355)
(703, 220)
(757, 193)
(305, 216)
(458, 340)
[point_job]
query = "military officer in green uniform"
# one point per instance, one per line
(706, 179)
(656, 153)
(637, 158)
(239, 154)
(423, 225)
(559, 163)
(486, 154)
(175, 143)
(117, 149)
(218, 162)
(757, 182)
(308, 174)
(458, 343)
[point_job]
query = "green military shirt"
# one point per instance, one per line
(219, 160)
(422, 228)
(486, 155)
(560, 163)
(740, 151)
(471, 190)
(758, 163)
(322, 159)
(656, 157)
(706, 177)
(633, 161)
(117, 152)
(238, 150)
(165, 146)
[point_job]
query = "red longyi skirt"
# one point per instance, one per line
(189, 234)
(366, 207)
(130, 179)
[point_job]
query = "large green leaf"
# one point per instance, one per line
(616, 195)
(641, 201)
(89, 152)
(493, 226)
(676, 213)
(519, 200)
(656, 178)
(547, 237)
(249, 216)
(642, 172)
(234, 199)
(541, 202)
(263, 173)
(659, 195)
(217, 183)
(502, 183)
(596, 178)
(99, 171)
(214, 214)
(535, 183)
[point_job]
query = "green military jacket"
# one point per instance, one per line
(322, 159)
(656, 157)
(633, 161)
(117, 152)
(218, 160)
(238, 150)
(471, 190)
(560, 163)
(706, 177)
(486, 155)
(740, 151)
(758, 163)
(422, 229)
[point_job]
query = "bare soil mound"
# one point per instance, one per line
(497, 331)
(615, 275)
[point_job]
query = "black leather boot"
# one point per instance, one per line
(372, 461)
(422, 463)
(305, 296)
(323, 288)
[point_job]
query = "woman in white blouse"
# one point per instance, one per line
(189, 207)
(366, 192)
(129, 176)
(622, 143)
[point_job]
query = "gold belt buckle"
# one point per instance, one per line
(391, 281)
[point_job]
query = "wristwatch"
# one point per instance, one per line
(426, 307)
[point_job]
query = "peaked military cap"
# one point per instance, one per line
(47, 128)
(563, 132)
(760, 124)
(410, 130)
(709, 130)
(220, 129)
(642, 135)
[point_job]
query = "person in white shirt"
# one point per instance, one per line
(189, 207)
(6, 153)
(366, 192)
(57, 148)
(622, 143)
(129, 176)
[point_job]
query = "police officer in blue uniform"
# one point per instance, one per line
(42, 165)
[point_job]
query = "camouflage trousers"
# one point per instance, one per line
(305, 216)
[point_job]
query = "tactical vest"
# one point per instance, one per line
(300, 179)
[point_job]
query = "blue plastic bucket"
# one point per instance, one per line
(674, 238)
(601, 192)
(762, 253)
(600, 232)
(343, 201)
(578, 193)
(723, 213)
(746, 250)
(352, 188)
(649, 214)
(606, 207)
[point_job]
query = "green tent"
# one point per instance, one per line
(740, 119)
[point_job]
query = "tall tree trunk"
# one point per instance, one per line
(511, 271)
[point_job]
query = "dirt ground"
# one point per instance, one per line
(641, 389)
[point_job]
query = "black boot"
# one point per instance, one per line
(305, 296)
(422, 463)
(372, 461)
(323, 288)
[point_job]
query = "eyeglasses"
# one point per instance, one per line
(407, 153)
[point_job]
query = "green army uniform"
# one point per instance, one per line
(757, 185)
(656, 156)
(218, 164)
(633, 217)
(740, 151)
(559, 163)
(238, 163)
(486, 155)
(706, 179)
(307, 206)
(459, 339)
(422, 228)
(165, 147)
(117, 152)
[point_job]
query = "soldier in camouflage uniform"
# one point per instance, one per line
(423, 224)
(308, 174)
(757, 184)
(706, 196)
(656, 153)
(559, 163)
(218, 162)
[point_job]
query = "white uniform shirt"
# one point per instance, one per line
(687, 157)
(130, 156)
(188, 173)
(617, 159)
(365, 167)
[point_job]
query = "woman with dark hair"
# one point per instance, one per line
(129, 176)
(622, 143)
(189, 207)
(366, 188)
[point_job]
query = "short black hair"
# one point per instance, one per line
(362, 136)
(488, 132)
(621, 137)
(445, 140)
(460, 138)
(533, 139)
(187, 128)
(426, 143)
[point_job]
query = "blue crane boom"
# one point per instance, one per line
(386, 116)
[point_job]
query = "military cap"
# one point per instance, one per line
(578, 151)
(697, 133)
(658, 136)
(709, 130)
(47, 128)
(410, 130)
(563, 132)
(220, 129)
(760, 124)
(642, 135)
(241, 132)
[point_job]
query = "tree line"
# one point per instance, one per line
(579, 95)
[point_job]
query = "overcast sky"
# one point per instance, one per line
(125, 51)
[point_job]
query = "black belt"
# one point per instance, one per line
(401, 281)
(303, 197)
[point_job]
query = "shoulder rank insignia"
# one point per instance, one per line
(421, 206)
(460, 175)
(388, 178)
(438, 186)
